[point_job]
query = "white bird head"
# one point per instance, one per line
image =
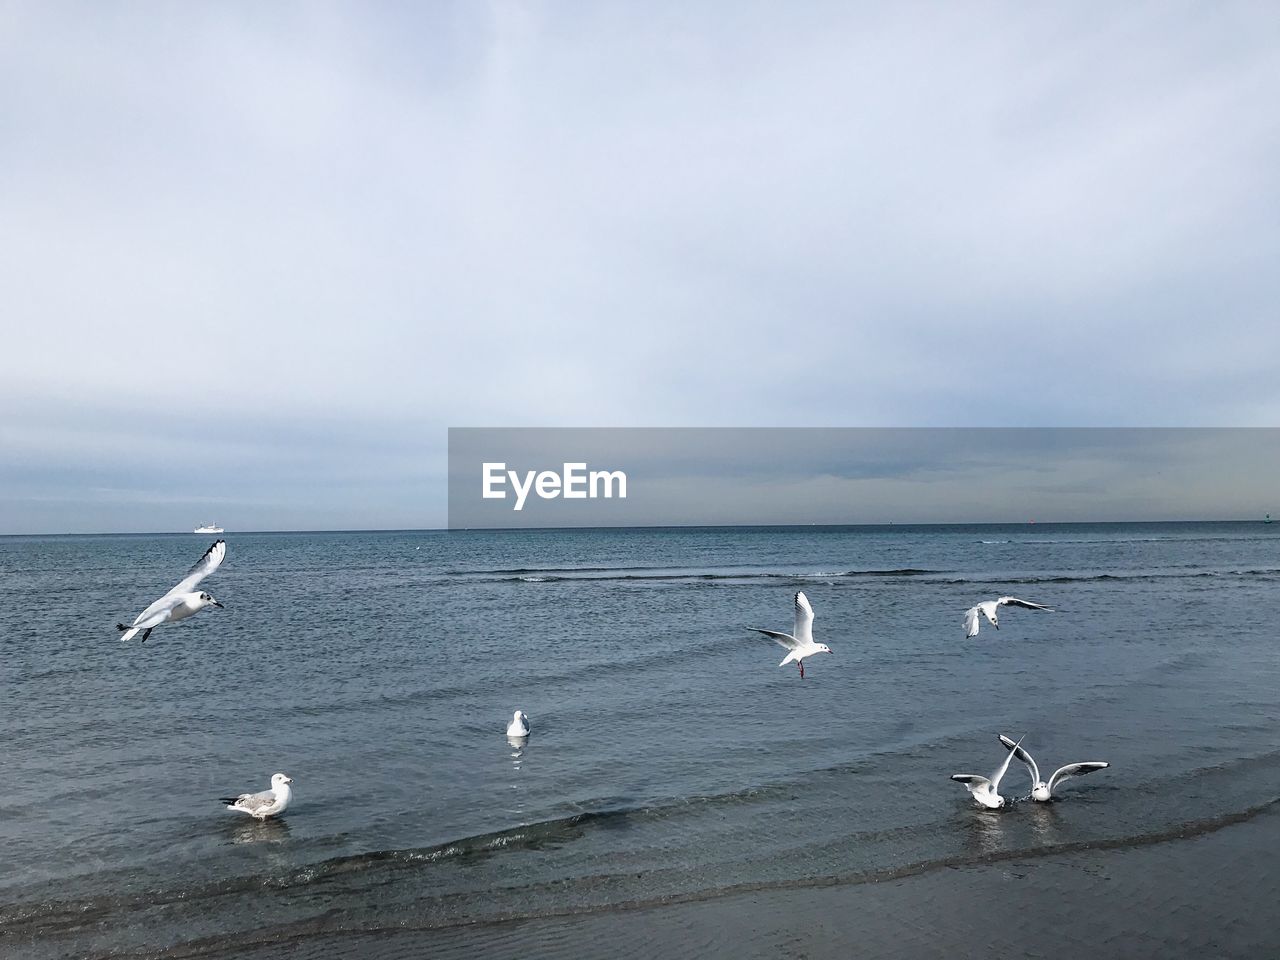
(823, 648)
(517, 716)
(1040, 792)
(278, 780)
(208, 601)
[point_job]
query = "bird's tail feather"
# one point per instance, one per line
(229, 801)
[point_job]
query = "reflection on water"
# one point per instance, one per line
(987, 830)
(1045, 822)
(518, 745)
(249, 830)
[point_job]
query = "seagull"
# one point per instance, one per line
(269, 803)
(1041, 791)
(799, 645)
(988, 609)
(183, 600)
(519, 725)
(986, 792)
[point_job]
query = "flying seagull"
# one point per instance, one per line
(183, 600)
(986, 792)
(799, 645)
(269, 803)
(1041, 791)
(519, 725)
(988, 609)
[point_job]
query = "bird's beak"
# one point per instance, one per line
(288, 779)
(217, 604)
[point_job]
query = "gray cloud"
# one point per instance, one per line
(329, 224)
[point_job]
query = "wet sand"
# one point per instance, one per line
(1207, 895)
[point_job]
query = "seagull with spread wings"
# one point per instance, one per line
(800, 644)
(986, 790)
(1041, 791)
(989, 610)
(183, 601)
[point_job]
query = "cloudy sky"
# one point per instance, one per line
(255, 259)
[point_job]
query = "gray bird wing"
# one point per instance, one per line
(781, 639)
(804, 619)
(1015, 602)
(253, 802)
(158, 612)
(1021, 753)
(208, 563)
(1075, 770)
(999, 774)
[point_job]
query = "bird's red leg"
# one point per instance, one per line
(800, 664)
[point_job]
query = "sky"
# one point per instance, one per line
(255, 260)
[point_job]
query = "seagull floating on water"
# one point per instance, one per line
(1043, 792)
(799, 645)
(988, 609)
(183, 600)
(519, 725)
(986, 791)
(269, 803)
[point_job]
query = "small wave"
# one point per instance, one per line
(1086, 541)
(1142, 577)
(900, 572)
(692, 575)
(504, 572)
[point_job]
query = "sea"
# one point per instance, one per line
(671, 758)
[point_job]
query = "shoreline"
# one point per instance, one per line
(1198, 889)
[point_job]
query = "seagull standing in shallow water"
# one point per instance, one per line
(269, 803)
(988, 609)
(800, 645)
(183, 600)
(986, 792)
(1041, 791)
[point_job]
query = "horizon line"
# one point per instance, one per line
(650, 526)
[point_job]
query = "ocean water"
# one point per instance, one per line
(671, 758)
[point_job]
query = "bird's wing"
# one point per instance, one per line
(972, 781)
(999, 774)
(804, 619)
(1075, 770)
(253, 802)
(158, 612)
(1015, 602)
(1021, 754)
(203, 567)
(971, 622)
(782, 639)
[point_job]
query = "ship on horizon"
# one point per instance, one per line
(208, 528)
